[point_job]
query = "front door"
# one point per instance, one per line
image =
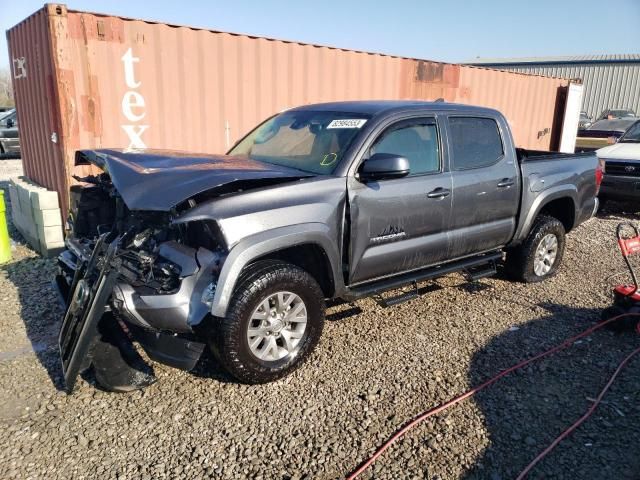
(399, 225)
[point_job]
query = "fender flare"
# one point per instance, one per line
(545, 197)
(260, 244)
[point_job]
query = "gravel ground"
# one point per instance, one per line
(374, 369)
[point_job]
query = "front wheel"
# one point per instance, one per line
(540, 255)
(273, 323)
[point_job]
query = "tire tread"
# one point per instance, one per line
(256, 279)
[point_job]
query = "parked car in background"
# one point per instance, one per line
(6, 112)
(621, 165)
(585, 121)
(9, 138)
(602, 133)
(613, 113)
(341, 200)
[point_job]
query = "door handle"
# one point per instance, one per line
(506, 183)
(439, 193)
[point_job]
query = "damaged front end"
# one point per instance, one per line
(128, 276)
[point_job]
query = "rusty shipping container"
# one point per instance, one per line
(86, 80)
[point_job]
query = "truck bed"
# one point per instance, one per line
(525, 155)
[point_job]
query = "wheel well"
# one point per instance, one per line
(311, 258)
(563, 209)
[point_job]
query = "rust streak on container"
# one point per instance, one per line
(201, 90)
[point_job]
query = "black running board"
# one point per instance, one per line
(401, 298)
(381, 286)
(474, 274)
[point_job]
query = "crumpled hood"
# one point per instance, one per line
(620, 151)
(159, 179)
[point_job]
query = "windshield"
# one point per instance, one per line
(303, 139)
(632, 135)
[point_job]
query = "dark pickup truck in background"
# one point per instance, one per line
(342, 200)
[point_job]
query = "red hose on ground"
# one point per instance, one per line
(429, 413)
(566, 433)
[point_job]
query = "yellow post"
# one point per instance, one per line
(5, 245)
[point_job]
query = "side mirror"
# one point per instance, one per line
(382, 166)
(9, 122)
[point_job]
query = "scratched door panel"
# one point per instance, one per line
(396, 227)
(486, 182)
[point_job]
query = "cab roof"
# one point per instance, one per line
(377, 107)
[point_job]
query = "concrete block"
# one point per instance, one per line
(28, 183)
(42, 199)
(13, 196)
(24, 197)
(31, 239)
(38, 216)
(16, 216)
(52, 250)
(48, 218)
(50, 235)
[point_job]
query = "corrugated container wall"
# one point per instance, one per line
(85, 80)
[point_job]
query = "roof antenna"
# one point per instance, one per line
(439, 100)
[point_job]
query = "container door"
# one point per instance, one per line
(401, 224)
(571, 118)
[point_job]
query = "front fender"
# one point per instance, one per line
(263, 243)
(535, 206)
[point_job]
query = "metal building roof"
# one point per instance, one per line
(610, 81)
(613, 58)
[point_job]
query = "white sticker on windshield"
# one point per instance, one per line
(347, 123)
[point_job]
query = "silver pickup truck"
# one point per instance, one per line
(239, 252)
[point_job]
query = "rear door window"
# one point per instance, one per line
(475, 141)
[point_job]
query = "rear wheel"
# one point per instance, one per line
(274, 322)
(540, 255)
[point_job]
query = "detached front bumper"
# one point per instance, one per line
(162, 323)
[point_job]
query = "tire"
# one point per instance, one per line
(521, 263)
(264, 282)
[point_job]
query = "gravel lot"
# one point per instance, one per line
(374, 369)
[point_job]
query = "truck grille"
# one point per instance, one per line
(628, 169)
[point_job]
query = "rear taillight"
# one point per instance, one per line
(600, 168)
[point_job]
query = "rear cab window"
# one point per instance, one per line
(475, 142)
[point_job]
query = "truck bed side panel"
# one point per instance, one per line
(569, 179)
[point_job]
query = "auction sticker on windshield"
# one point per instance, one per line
(347, 123)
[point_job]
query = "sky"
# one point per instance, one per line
(449, 31)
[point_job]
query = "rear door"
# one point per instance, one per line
(401, 224)
(486, 183)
